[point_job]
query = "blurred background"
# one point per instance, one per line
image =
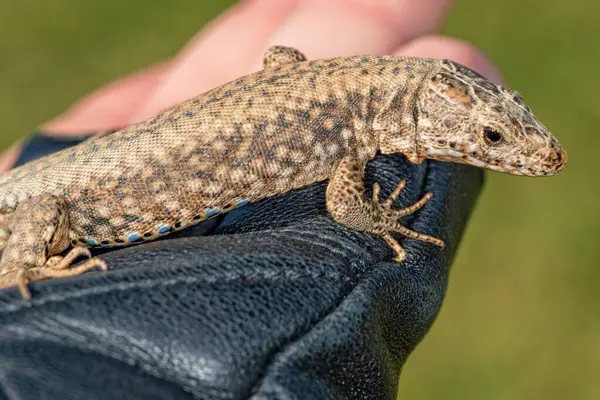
(520, 319)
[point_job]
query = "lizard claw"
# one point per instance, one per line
(57, 267)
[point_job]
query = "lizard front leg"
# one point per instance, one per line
(348, 205)
(39, 228)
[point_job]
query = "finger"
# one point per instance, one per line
(126, 100)
(221, 52)
(234, 44)
(117, 104)
(351, 27)
(441, 47)
(109, 107)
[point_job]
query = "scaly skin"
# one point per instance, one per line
(291, 124)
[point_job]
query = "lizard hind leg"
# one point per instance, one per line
(348, 205)
(39, 227)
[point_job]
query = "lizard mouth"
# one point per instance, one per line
(545, 163)
(541, 164)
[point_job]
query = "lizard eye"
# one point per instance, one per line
(492, 135)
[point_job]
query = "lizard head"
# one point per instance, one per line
(463, 117)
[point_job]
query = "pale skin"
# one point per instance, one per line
(144, 94)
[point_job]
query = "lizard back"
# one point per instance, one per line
(255, 137)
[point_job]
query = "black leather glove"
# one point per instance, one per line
(273, 300)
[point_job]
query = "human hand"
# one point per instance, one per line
(288, 301)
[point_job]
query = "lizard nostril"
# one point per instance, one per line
(561, 157)
(556, 157)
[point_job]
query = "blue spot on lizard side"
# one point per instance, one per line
(212, 212)
(241, 203)
(164, 229)
(134, 237)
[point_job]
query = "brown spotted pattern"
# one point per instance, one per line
(281, 128)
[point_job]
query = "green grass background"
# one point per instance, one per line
(520, 319)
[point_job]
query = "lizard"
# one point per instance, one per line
(291, 124)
